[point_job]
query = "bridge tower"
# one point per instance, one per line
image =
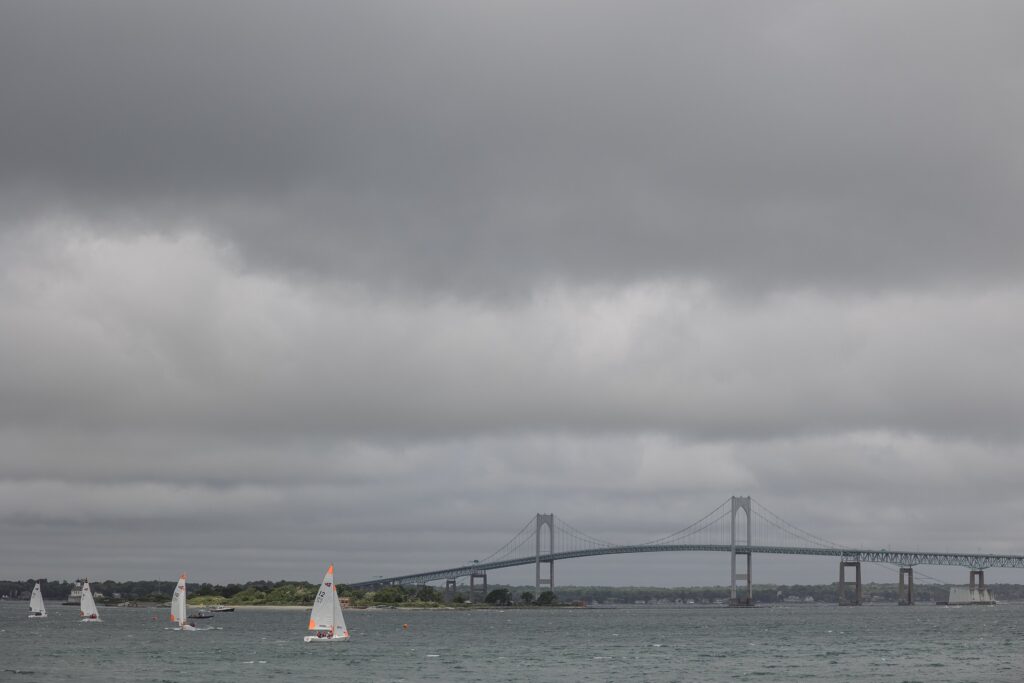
(747, 599)
(547, 520)
(906, 589)
(858, 590)
(472, 585)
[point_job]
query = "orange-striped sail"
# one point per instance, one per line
(326, 615)
(179, 613)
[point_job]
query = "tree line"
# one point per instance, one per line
(267, 593)
(302, 593)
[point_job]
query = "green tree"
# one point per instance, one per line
(428, 594)
(547, 598)
(526, 597)
(390, 595)
(498, 596)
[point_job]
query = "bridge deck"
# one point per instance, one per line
(898, 557)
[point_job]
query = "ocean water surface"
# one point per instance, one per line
(785, 643)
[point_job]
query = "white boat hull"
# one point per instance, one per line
(94, 620)
(314, 639)
(37, 616)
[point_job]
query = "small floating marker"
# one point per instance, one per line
(405, 626)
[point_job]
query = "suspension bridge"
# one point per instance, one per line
(545, 540)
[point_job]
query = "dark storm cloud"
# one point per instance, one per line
(478, 147)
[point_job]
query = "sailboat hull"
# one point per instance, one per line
(314, 639)
(37, 616)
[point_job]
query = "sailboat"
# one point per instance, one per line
(179, 609)
(326, 618)
(88, 606)
(36, 608)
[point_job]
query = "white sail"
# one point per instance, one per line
(322, 616)
(35, 603)
(179, 613)
(325, 618)
(88, 607)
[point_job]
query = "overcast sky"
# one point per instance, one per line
(376, 282)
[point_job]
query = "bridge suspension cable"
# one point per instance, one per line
(520, 545)
(771, 521)
(705, 527)
(569, 538)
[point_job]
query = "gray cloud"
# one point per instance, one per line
(197, 342)
(433, 268)
(485, 148)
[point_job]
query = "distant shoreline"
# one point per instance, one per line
(296, 595)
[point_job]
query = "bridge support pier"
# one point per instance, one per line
(472, 585)
(547, 520)
(906, 589)
(858, 589)
(977, 581)
(746, 598)
(450, 585)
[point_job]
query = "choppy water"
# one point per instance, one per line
(821, 643)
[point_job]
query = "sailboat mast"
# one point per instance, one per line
(334, 609)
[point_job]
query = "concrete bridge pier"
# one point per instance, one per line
(746, 597)
(858, 593)
(906, 589)
(977, 581)
(472, 585)
(547, 520)
(450, 586)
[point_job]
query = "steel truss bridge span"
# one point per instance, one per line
(894, 557)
